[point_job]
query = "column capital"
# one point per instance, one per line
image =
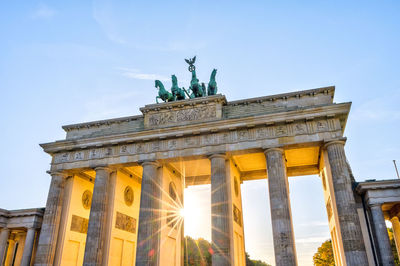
(104, 168)
(217, 155)
(341, 141)
(375, 205)
(4, 229)
(268, 150)
(148, 162)
(59, 173)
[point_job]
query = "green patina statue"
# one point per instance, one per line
(178, 93)
(212, 85)
(163, 94)
(195, 89)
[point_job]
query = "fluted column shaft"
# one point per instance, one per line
(4, 234)
(97, 228)
(396, 232)
(282, 227)
(350, 228)
(147, 252)
(28, 247)
(51, 221)
(382, 237)
(220, 214)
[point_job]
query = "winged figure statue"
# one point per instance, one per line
(191, 62)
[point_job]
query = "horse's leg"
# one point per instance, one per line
(187, 93)
(157, 97)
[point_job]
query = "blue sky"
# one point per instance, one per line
(75, 61)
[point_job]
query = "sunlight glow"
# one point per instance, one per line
(182, 213)
(197, 211)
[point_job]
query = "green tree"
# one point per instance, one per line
(393, 244)
(249, 262)
(198, 252)
(324, 255)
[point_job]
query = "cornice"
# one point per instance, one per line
(362, 187)
(286, 96)
(22, 212)
(98, 123)
(328, 111)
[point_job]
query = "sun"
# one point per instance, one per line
(182, 213)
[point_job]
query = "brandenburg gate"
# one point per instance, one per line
(117, 185)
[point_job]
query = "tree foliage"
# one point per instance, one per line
(198, 252)
(324, 255)
(250, 262)
(393, 244)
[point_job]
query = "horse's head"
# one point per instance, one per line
(158, 84)
(174, 80)
(213, 73)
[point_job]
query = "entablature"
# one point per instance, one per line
(317, 118)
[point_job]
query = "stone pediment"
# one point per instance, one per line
(181, 112)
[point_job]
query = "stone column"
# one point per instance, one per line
(396, 232)
(349, 223)
(147, 251)
(381, 234)
(97, 228)
(51, 221)
(28, 247)
(281, 216)
(220, 215)
(10, 252)
(4, 234)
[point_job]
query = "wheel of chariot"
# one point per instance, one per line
(192, 68)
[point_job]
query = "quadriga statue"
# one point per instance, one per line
(212, 85)
(196, 89)
(177, 93)
(195, 86)
(163, 94)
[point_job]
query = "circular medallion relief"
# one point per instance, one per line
(236, 186)
(128, 195)
(87, 199)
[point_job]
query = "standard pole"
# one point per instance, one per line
(395, 166)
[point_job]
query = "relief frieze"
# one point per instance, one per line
(79, 224)
(243, 134)
(262, 133)
(78, 155)
(125, 222)
(300, 129)
(322, 125)
(197, 141)
(183, 115)
(224, 137)
(123, 149)
(237, 215)
(191, 142)
(209, 139)
(281, 130)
